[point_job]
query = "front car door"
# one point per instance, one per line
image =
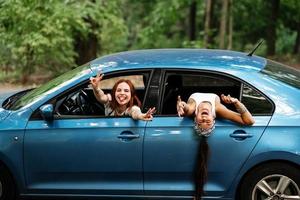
(83, 152)
(171, 146)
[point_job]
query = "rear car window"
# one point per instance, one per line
(282, 73)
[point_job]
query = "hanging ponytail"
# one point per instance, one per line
(201, 167)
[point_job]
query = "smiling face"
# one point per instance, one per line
(123, 94)
(204, 118)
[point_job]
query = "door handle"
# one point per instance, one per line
(128, 135)
(240, 135)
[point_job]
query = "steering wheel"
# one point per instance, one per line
(83, 102)
(80, 103)
(87, 105)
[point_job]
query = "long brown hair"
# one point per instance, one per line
(134, 100)
(201, 167)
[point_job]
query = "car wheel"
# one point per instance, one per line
(7, 186)
(273, 181)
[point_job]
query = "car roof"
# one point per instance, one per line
(179, 58)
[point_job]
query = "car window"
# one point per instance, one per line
(137, 81)
(187, 83)
(256, 102)
(82, 102)
(282, 73)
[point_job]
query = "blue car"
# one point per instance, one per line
(55, 140)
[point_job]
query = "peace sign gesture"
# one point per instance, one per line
(148, 115)
(96, 80)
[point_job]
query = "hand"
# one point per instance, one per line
(228, 99)
(148, 116)
(180, 106)
(96, 80)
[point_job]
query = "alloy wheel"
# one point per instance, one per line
(276, 187)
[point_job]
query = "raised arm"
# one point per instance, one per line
(185, 109)
(99, 94)
(243, 116)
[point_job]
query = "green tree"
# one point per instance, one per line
(290, 18)
(43, 34)
(38, 33)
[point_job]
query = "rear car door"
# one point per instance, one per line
(171, 147)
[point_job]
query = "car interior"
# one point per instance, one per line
(80, 101)
(187, 84)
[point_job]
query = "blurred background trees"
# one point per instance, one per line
(46, 38)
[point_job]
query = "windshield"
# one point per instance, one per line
(50, 86)
(282, 73)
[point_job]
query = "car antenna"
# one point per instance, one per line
(251, 53)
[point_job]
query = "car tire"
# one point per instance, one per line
(7, 186)
(274, 180)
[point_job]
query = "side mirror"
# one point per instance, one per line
(47, 112)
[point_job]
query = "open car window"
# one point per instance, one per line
(185, 83)
(80, 101)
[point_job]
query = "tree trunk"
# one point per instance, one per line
(208, 23)
(86, 49)
(271, 28)
(297, 43)
(230, 25)
(192, 20)
(223, 24)
(28, 68)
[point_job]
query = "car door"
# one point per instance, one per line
(171, 146)
(83, 153)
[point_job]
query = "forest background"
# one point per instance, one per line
(42, 39)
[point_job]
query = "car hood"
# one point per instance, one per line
(4, 113)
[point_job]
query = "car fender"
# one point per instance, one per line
(262, 158)
(11, 144)
(16, 171)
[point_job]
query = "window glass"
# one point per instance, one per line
(256, 103)
(50, 86)
(282, 73)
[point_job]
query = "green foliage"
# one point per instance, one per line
(107, 23)
(41, 36)
(165, 24)
(285, 41)
(38, 33)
